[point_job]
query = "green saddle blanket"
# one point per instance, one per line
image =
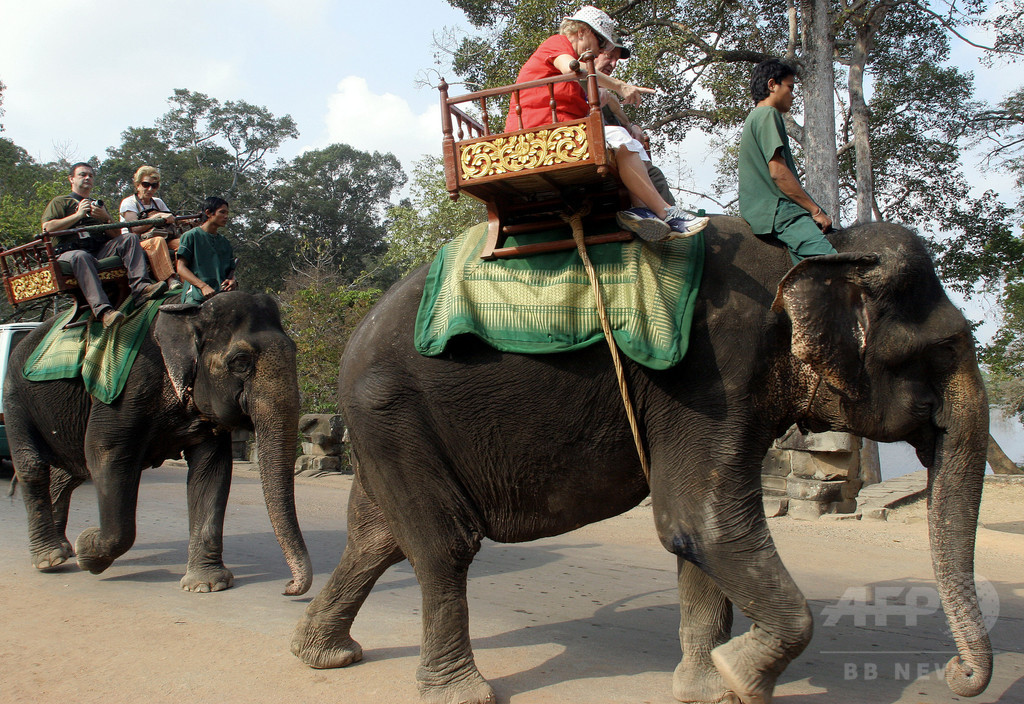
(102, 357)
(544, 303)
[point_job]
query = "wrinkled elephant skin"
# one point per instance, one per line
(202, 372)
(477, 443)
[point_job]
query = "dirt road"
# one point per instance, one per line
(588, 617)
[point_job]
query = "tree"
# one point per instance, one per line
(418, 227)
(331, 202)
(319, 314)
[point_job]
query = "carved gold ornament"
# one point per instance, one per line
(36, 283)
(561, 145)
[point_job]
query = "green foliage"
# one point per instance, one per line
(25, 189)
(418, 228)
(320, 314)
(331, 203)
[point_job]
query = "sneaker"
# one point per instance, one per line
(684, 223)
(112, 317)
(151, 291)
(175, 285)
(644, 223)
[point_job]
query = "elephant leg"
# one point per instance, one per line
(447, 673)
(705, 623)
(728, 538)
(750, 574)
(116, 478)
(323, 638)
(62, 485)
(44, 540)
(208, 484)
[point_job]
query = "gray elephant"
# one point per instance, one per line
(477, 444)
(201, 372)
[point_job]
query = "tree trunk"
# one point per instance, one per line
(870, 465)
(861, 116)
(821, 163)
(998, 460)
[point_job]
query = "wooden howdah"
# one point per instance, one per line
(32, 271)
(529, 178)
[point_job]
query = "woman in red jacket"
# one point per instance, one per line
(591, 29)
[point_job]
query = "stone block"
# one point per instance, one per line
(819, 442)
(775, 486)
(814, 489)
(877, 513)
(844, 506)
(852, 487)
(805, 510)
(776, 463)
(775, 506)
(321, 434)
(312, 449)
(326, 464)
(824, 465)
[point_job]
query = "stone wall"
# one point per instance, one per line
(807, 475)
(324, 439)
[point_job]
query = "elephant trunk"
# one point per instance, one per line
(276, 421)
(956, 479)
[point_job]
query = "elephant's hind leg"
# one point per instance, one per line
(322, 638)
(705, 623)
(62, 485)
(45, 542)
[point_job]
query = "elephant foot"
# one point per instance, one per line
(322, 650)
(49, 559)
(89, 558)
(700, 687)
(471, 690)
(749, 667)
(207, 579)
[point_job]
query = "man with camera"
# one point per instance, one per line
(82, 250)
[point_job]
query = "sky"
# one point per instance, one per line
(79, 72)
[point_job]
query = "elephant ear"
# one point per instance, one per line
(825, 299)
(177, 332)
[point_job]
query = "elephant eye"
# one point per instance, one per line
(240, 363)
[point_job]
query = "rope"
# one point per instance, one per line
(576, 222)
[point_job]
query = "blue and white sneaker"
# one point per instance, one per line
(684, 223)
(643, 222)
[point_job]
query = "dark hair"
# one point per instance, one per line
(211, 205)
(769, 70)
(74, 167)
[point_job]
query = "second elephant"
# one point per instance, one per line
(201, 372)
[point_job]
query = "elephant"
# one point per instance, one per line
(477, 443)
(201, 372)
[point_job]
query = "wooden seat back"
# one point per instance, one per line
(527, 176)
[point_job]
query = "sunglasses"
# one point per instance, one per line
(147, 184)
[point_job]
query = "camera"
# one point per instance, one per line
(97, 204)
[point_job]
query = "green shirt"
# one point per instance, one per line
(210, 257)
(63, 206)
(764, 133)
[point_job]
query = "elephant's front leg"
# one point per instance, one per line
(209, 480)
(115, 473)
(62, 485)
(705, 623)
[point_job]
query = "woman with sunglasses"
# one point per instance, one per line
(591, 29)
(157, 240)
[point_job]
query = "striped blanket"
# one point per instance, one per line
(101, 357)
(544, 303)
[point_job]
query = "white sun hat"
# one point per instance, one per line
(602, 24)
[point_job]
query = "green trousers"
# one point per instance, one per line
(798, 231)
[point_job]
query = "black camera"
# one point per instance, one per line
(97, 203)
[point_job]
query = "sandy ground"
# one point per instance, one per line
(586, 617)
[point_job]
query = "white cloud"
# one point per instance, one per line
(382, 122)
